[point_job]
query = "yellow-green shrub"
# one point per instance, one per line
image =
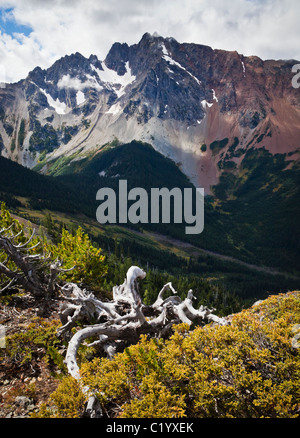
(14, 228)
(77, 250)
(69, 401)
(37, 339)
(247, 369)
(73, 250)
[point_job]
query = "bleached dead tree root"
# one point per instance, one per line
(25, 265)
(114, 324)
(122, 321)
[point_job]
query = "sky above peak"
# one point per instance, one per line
(38, 32)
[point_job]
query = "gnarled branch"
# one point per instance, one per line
(34, 272)
(124, 317)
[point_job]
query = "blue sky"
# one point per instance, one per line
(10, 26)
(37, 32)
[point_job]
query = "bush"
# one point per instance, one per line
(69, 399)
(40, 337)
(77, 250)
(14, 228)
(73, 250)
(248, 369)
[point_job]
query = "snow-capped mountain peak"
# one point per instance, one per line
(201, 107)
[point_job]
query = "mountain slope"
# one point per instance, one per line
(75, 190)
(40, 191)
(254, 215)
(181, 98)
(230, 123)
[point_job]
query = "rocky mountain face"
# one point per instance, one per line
(203, 108)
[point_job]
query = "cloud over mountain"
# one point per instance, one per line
(266, 28)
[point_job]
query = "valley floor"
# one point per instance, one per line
(196, 251)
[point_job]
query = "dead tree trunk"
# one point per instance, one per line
(119, 322)
(123, 320)
(23, 266)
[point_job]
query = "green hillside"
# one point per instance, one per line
(40, 191)
(253, 215)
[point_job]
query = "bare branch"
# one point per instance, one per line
(31, 271)
(16, 235)
(125, 318)
(7, 286)
(29, 248)
(159, 299)
(67, 270)
(6, 229)
(28, 241)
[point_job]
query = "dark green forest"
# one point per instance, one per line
(253, 214)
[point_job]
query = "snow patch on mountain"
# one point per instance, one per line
(114, 109)
(214, 95)
(164, 50)
(206, 104)
(166, 56)
(80, 97)
(60, 107)
(112, 80)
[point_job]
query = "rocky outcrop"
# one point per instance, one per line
(181, 98)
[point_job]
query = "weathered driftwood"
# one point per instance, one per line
(123, 320)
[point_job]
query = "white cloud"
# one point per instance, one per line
(266, 28)
(67, 82)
